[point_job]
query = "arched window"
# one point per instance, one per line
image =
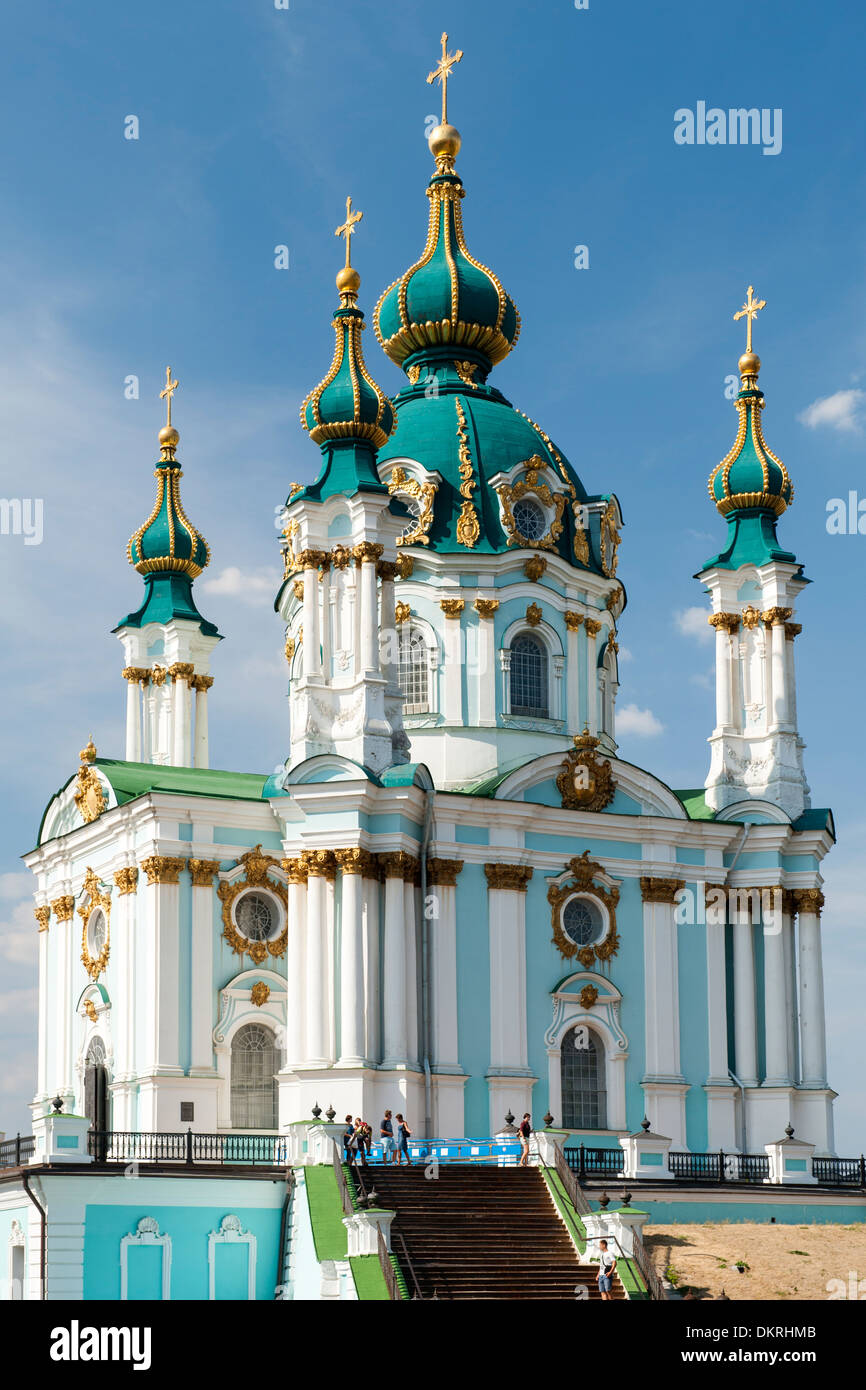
(530, 519)
(413, 670)
(255, 1062)
(529, 693)
(582, 922)
(96, 1091)
(584, 1097)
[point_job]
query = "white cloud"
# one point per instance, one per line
(247, 586)
(641, 722)
(18, 1002)
(705, 679)
(19, 937)
(625, 654)
(16, 885)
(692, 622)
(839, 411)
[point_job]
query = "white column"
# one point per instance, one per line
(410, 920)
(792, 630)
(388, 625)
(312, 649)
(394, 1001)
(812, 1025)
(745, 1024)
(295, 983)
(593, 627)
(372, 1003)
(325, 610)
(319, 979)
(181, 675)
(791, 1009)
(779, 661)
(351, 1049)
(573, 623)
(201, 1006)
(160, 1001)
(366, 557)
(506, 906)
(717, 1007)
(441, 882)
(148, 739)
(775, 994)
(452, 683)
(661, 976)
(133, 716)
(43, 918)
(485, 676)
(201, 685)
(724, 625)
(163, 746)
(62, 1080)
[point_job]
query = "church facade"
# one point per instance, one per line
(454, 899)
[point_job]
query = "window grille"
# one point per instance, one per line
(256, 916)
(529, 519)
(584, 1097)
(529, 695)
(255, 1061)
(581, 922)
(413, 670)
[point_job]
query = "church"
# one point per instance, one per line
(453, 899)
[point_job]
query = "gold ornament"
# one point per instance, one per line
(260, 993)
(468, 525)
(609, 540)
(203, 872)
(405, 566)
(290, 649)
(90, 1010)
(89, 796)
(584, 873)
(97, 901)
(442, 873)
(257, 867)
(398, 864)
(466, 372)
(581, 542)
(749, 310)
(661, 890)
(751, 616)
(533, 615)
(486, 607)
(43, 916)
(585, 781)
(511, 877)
(534, 568)
(572, 620)
(63, 908)
(163, 868)
(725, 622)
(452, 607)
(126, 880)
(530, 484)
(298, 590)
(423, 495)
(402, 613)
(588, 996)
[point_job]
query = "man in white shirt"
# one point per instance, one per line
(606, 1268)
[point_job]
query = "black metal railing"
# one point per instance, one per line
(342, 1186)
(568, 1177)
(697, 1167)
(840, 1172)
(127, 1146)
(648, 1272)
(587, 1162)
(390, 1274)
(14, 1152)
(751, 1167)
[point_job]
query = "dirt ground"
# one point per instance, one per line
(784, 1262)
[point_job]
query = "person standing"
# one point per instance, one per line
(360, 1148)
(348, 1137)
(365, 1140)
(606, 1268)
(524, 1129)
(386, 1134)
(403, 1135)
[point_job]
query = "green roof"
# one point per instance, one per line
(130, 780)
(695, 803)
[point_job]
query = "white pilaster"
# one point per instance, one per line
(201, 685)
(296, 986)
(452, 682)
(396, 1047)
(351, 1050)
(442, 875)
(745, 1023)
(201, 1004)
(318, 978)
(573, 622)
(312, 650)
(133, 719)
(593, 627)
(775, 998)
(485, 676)
(812, 1026)
(410, 919)
(372, 1001)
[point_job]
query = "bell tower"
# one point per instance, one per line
(754, 584)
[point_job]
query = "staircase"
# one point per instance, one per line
(482, 1233)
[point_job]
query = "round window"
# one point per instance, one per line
(97, 929)
(256, 916)
(529, 519)
(582, 922)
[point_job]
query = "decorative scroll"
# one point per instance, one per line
(585, 781)
(257, 866)
(423, 495)
(509, 495)
(97, 901)
(584, 873)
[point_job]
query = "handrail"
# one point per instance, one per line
(390, 1276)
(343, 1187)
(655, 1288)
(570, 1182)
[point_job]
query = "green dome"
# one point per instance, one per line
(447, 298)
(347, 403)
(750, 476)
(167, 540)
(474, 438)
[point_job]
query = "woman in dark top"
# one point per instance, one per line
(403, 1133)
(524, 1129)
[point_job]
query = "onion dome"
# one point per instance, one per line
(167, 549)
(347, 414)
(447, 301)
(751, 487)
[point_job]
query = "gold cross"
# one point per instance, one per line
(443, 72)
(750, 309)
(167, 393)
(348, 227)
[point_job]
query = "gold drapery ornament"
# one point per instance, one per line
(468, 526)
(97, 901)
(405, 566)
(90, 1010)
(402, 613)
(423, 495)
(585, 781)
(609, 540)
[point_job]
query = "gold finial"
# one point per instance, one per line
(168, 435)
(348, 279)
(443, 71)
(750, 362)
(88, 754)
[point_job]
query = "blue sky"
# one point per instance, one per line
(118, 256)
